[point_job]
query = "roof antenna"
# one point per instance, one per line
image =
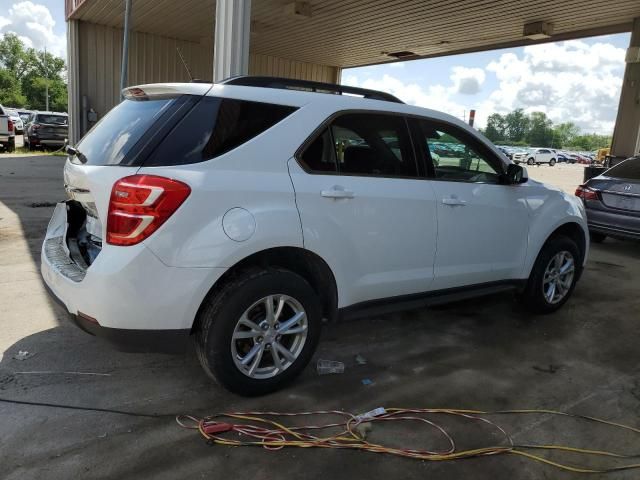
(186, 67)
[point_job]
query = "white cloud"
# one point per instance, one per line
(33, 23)
(467, 81)
(569, 81)
(435, 97)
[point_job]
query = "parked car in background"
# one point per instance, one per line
(612, 201)
(580, 158)
(536, 156)
(7, 132)
(46, 129)
(564, 157)
(246, 212)
(24, 115)
(17, 121)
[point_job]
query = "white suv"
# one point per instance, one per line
(536, 156)
(244, 213)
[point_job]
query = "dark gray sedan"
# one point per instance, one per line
(612, 201)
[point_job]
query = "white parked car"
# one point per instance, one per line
(244, 213)
(16, 119)
(7, 132)
(536, 156)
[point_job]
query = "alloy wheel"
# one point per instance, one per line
(269, 336)
(558, 277)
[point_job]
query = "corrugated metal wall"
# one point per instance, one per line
(153, 58)
(281, 67)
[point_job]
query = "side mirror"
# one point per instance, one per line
(516, 174)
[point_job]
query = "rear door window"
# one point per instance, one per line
(214, 127)
(373, 144)
(319, 156)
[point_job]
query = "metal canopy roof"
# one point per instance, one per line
(348, 33)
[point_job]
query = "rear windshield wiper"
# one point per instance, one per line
(74, 152)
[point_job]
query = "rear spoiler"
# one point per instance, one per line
(145, 92)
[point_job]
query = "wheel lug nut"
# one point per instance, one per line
(277, 326)
(260, 339)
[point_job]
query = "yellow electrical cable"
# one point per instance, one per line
(351, 440)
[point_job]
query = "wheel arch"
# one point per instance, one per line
(570, 229)
(305, 263)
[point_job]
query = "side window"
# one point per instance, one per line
(319, 156)
(214, 127)
(373, 144)
(456, 157)
(239, 121)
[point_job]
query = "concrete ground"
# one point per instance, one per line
(484, 354)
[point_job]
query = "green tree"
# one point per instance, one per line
(564, 134)
(517, 125)
(590, 142)
(35, 88)
(10, 92)
(25, 75)
(540, 132)
(14, 56)
(496, 128)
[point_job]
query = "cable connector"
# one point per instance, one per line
(376, 412)
(213, 428)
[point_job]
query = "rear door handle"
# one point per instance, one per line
(454, 202)
(337, 192)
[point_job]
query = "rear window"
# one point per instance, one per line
(118, 131)
(216, 126)
(52, 119)
(629, 169)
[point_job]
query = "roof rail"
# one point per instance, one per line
(308, 85)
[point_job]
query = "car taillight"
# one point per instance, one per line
(139, 204)
(35, 126)
(10, 125)
(586, 193)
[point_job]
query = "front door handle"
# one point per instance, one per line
(337, 192)
(454, 202)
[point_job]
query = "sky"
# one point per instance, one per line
(577, 81)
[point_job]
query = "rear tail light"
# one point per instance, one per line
(10, 125)
(139, 204)
(586, 193)
(35, 126)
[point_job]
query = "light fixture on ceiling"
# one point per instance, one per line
(537, 30)
(403, 55)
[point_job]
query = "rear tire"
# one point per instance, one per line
(552, 162)
(224, 339)
(536, 296)
(597, 237)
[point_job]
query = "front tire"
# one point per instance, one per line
(259, 331)
(553, 276)
(531, 161)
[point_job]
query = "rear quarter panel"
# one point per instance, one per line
(253, 177)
